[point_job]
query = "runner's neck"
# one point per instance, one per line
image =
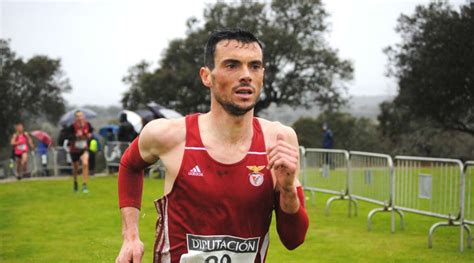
(227, 128)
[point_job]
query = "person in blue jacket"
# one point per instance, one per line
(42, 150)
(328, 143)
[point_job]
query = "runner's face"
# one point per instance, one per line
(237, 78)
(19, 128)
(80, 117)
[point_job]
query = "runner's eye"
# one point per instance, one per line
(256, 66)
(231, 65)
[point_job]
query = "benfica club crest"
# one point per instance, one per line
(256, 177)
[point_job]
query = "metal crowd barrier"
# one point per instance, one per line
(469, 193)
(373, 181)
(467, 214)
(61, 161)
(327, 171)
(113, 152)
(433, 187)
(6, 168)
(36, 161)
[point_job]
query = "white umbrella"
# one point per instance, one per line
(170, 114)
(134, 119)
(162, 112)
(68, 117)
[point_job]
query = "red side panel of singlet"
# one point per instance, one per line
(210, 198)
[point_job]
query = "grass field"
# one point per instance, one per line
(44, 221)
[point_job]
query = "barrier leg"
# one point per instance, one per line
(371, 214)
(402, 218)
(330, 200)
(328, 203)
(341, 197)
(349, 207)
(392, 221)
(469, 235)
(356, 206)
(433, 228)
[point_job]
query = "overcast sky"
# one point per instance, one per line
(97, 41)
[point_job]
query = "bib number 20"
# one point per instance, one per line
(214, 259)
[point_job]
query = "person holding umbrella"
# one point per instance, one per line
(44, 142)
(81, 131)
(19, 142)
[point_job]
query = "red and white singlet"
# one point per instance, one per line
(216, 212)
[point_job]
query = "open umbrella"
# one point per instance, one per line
(134, 119)
(162, 112)
(103, 131)
(42, 136)
(68, 117)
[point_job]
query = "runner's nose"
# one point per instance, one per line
(245, 76)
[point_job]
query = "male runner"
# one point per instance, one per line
(222, 182)
(20, 141)
(81, 132)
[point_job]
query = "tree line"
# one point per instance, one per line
(433, 65)
(31, 90)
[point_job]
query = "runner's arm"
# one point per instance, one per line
(142, 152)
(132, 248)
(291, 216)
(30, 141)
(13, 140)
(292, 227)
(130, 187)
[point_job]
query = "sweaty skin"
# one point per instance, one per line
(235, 82)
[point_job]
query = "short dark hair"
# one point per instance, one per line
(226, 34)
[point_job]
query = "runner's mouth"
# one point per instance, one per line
(244, 91)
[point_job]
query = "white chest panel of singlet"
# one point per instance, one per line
(220, 249)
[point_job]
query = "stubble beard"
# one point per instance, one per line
(234, 109)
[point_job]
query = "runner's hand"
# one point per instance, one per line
(131, 251)
(283, 159)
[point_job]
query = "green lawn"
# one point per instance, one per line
(44, 221)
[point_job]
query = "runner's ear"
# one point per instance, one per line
(205, 74)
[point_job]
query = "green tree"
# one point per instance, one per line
(29, 89)
(434, 67)
(407, 135)
(300, 68)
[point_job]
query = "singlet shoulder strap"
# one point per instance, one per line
(193, 138)
(258, 141)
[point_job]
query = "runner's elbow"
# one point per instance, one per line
(293, 240)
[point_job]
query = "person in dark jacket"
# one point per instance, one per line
(126, 132)
(328, 143)
(328, 137)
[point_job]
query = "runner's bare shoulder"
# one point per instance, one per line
(272, 128)
(161, 135)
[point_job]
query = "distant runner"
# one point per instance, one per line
(19, 142)
(81, 133)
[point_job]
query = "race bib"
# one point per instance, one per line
(80, 144)
(21, 147)
(220, 249)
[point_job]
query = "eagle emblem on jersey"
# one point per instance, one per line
(255, 176)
